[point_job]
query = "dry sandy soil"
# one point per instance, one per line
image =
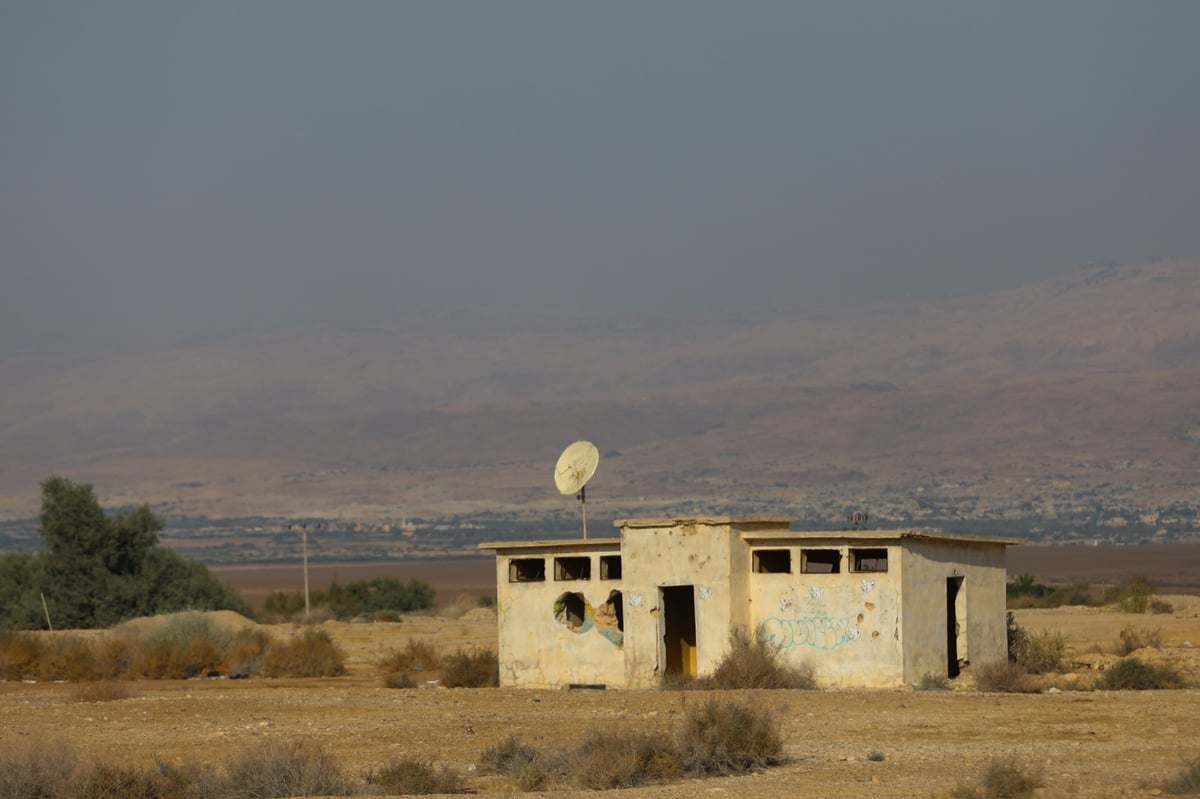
(1088, 743)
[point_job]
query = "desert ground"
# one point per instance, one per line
(1087, 743)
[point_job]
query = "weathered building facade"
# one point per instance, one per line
(865, 608)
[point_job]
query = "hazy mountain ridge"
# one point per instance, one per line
(1049, 384)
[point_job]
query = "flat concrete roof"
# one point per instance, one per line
(573, 544)
(713, 521)
(878, 535)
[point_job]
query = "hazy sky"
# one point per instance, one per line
(193, 166)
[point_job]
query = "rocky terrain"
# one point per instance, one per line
(884, 743)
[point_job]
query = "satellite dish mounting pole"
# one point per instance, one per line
(583, 504)
(575, 467)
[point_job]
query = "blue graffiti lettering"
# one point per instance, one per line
(819, 632)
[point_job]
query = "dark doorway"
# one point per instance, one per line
(953, 586)
(679, 629)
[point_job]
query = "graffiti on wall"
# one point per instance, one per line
(818, 632)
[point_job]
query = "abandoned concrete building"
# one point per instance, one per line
(864, 608)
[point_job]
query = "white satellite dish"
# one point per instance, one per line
(575, 467)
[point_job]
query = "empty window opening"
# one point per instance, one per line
(773, 561)
(572, 568)
(869, 560)
(610, 619)
(527, 570)
(572, 611)
(610, 567)
(820, 561)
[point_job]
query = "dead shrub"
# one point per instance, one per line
(417, 655)
(114, 657)
(1132, 640)
(67, 658)
(277, 768)
(1132, 674)
(246, 652)
(502, 756)
(109, 781)
(606, 761)
(1161, 606)
(1005, 677)
(37, 769)
(933, 682)
(727, 738)
(19, 655)
(752, 661)
(180, 646)
(1187, 781)
(478, 669)
(101, 691)
(312, 653)
(399, 679)
(410, 777)
(1002, 779)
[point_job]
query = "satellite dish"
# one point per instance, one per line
(575, 467)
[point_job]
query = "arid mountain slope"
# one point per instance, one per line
(1086, 385)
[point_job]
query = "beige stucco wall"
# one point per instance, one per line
(696, 555)
(862, 629)
(847, 625)
(927, 566)
(536, 649)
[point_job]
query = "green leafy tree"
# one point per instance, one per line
(96, 571)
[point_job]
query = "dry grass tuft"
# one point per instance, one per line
(1132, 674)
(1005, 677)
(412, 777)
(312, 653)
(1003, 779)
(478, 669)
(101, 691)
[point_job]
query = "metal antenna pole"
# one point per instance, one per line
(304, 546)
(583, 503)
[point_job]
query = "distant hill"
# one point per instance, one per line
(1083, 389)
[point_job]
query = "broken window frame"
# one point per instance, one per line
(570, 568)
(527, 570)
(607, 564)
(771, 561)
(831, 558)
(878, 557)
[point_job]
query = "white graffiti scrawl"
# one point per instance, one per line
(819, 632)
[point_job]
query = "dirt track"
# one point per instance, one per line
(1088, 743)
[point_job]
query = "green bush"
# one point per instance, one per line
(1132, 596)
(1132, 674)
(1024, 592)
(727, 738)
(383, 596)
(478, 669)
(1040, 653)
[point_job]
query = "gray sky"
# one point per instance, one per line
(190, 167)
